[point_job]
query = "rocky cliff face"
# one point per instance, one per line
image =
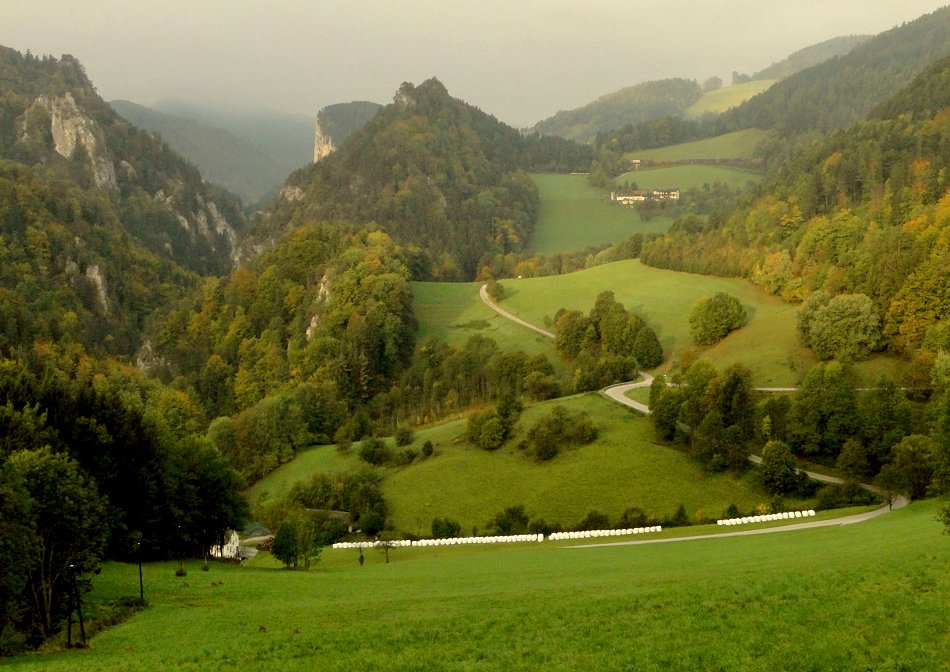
(71, 129)
(322, 143)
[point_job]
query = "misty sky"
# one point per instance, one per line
(519, 60)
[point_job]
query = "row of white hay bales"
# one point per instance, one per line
(511, 538)
(454, 541)
(785, 515)
(593, 534)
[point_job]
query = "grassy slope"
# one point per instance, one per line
(722, 99)
(737, 145)
(866, 596)
(452, 312)
(623, 468)
(687, 177)
(574, 215)
(768, 344)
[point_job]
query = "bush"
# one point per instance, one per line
(427, 449)
(594, 520)
(633, 517)
(404, 436)
(513, 520)
(445, 528)
(711, 319)
(558, 430)
(679, 519)
(375, 451)
(406, 456)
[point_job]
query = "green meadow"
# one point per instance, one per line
(575, 215)
(623, 468)
(768, 344)
(867, 596)
(737, 145)
(722, 99)
(688, 176)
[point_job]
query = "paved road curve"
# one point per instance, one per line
(619, 394)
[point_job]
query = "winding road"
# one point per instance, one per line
(619, 394)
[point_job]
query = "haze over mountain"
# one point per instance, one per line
(522, 61)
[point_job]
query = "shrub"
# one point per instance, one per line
(427, 449)
(404, 436)
(406, 456)
(633, 517)
(374, 451)
(513, 520)
(594, 520)
(445, 528)
(711, 319)
(679, 519)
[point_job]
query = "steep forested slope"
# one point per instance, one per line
(844, 89)
(864, 211)
(222, 157)
(433, 172)
(50, 114)
(810, 56)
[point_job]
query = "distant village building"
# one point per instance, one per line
(641, 195)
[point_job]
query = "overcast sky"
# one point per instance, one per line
(521, 60)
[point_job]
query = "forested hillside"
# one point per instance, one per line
(844, 89)
(222, 157)
(809, 56)
(632, 105)
(859, 217)
(50, 114)
(433, 172)
(99, 226)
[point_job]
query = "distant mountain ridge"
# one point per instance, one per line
(222, 157)
(649, 101)
(633, 104)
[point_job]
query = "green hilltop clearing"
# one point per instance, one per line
(736, 145)
(768, 344)
(575, 215)
(855, 597)
(720, 100)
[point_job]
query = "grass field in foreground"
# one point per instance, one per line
(687, 177)
(574, 215)
(866, 596)
(722, 99)
(622, 468)
(737, 145)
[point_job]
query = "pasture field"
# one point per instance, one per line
(452, 312)
(856, 597)
(737, 145)
(722, 99)
(575, 215)
(768, 344)
(621, 469)
(688, 176)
